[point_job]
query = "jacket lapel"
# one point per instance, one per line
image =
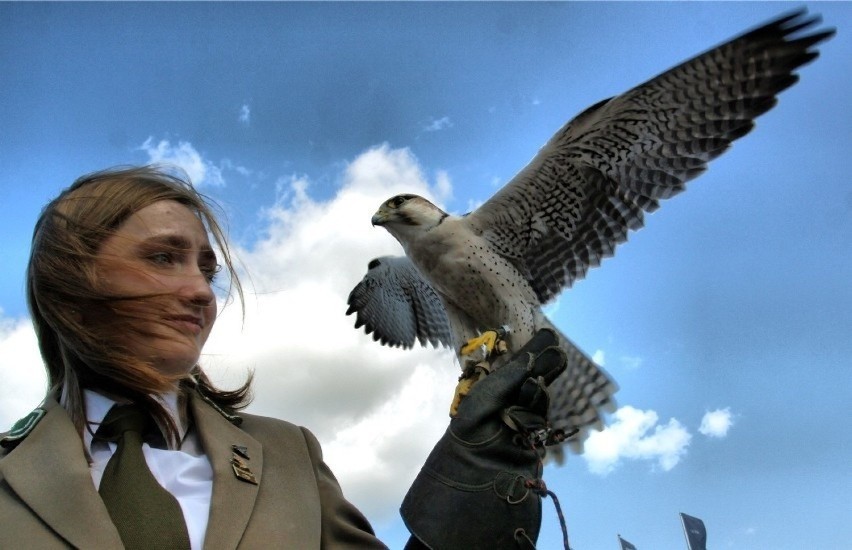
(49, 472)
(233, 498)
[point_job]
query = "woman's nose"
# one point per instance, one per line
(197, 288)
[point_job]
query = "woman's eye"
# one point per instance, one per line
(162, 258)
(210, 272)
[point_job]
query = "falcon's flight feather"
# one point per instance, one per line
(570, 207)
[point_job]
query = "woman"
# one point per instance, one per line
(119, 289)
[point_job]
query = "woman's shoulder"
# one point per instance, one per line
(265, 429)
(247, 422)
(258, 425)
(256, 421)
(285, 436)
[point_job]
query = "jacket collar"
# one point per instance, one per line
(68, 503)
(71, 506)
(233, 498)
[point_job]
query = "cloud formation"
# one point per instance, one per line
(438, 124)
(201, 172)
(634, 434)
(717, 423)
(245, 114)
(21, 370)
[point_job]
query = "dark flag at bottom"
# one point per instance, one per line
(696, 534)
(625, 545)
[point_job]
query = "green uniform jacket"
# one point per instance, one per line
(48, 500)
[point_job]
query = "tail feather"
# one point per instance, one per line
(580, 396)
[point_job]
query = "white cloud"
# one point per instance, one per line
(228, 164)
(599, 357)
(443, 186)
(635, 434)
(245, 114)
(436, 125)
(717, 423)
(21, 370)
(200, 171)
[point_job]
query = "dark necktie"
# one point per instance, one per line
(146, 515)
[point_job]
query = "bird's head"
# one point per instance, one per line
(405, 216)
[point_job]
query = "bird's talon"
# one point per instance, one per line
(492, 341)
(487, 339)
(500, 347)
(473, 373)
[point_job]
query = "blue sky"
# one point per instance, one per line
(299, 118)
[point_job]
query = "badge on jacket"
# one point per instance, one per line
(22, 428)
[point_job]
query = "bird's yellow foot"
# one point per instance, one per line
(471, 375)
(488, 339)
(493, 343)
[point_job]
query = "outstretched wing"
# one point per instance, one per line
(594, 180)
(395, 303)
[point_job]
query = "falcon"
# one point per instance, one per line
(580, 196)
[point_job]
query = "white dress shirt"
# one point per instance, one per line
(184, 472)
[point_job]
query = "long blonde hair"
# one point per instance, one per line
(62, 283)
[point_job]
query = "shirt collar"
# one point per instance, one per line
(98, 405)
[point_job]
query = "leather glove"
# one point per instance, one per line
(475, 489)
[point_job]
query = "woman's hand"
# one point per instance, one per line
(476, 489)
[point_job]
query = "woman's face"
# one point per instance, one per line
(163, 250)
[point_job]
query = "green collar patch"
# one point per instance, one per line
(22, 428)
(234, 419)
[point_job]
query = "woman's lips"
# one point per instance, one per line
(189, 323)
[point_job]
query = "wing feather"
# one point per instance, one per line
(594, 181)
(397, 305)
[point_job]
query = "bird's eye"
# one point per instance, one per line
(396, 201)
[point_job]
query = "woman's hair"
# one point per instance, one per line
(62, 292)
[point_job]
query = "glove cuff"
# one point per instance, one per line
(443, 514)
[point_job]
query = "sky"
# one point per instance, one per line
(726, 321)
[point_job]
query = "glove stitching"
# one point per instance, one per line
(469, 487)
(476, 444)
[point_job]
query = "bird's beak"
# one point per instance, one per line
(380, 217)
